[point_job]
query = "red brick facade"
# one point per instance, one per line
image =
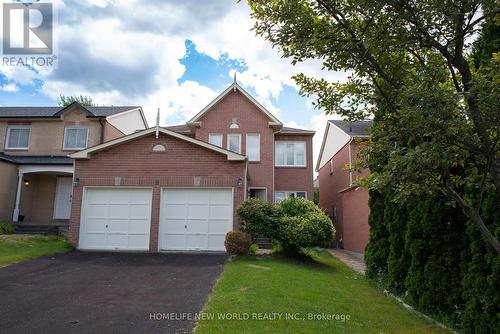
(348, 206)
(137, 165)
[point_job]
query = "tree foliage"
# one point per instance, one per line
(85, 101)
(409, 66)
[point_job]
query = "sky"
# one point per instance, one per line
(173, 55)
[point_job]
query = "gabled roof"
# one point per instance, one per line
(84, 154)
(182, 128)
(355, 128)
(349, 130)
(235, 87)
(55, 112)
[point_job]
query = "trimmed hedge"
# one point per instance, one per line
(237, 243)
(429, 253)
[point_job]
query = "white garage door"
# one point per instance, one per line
(115, 219)
(195, 219)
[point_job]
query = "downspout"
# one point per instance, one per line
(245, 186)
(350, 162)
(102, 132)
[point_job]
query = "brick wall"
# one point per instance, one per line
(296, 178)
(137, 165)
(355, 216)
(250, 120)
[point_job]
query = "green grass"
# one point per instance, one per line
(318, 285)
(16, 248)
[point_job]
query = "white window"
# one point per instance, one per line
(290, 153)
(75, 138)
(234, 142)
(215, 139)
(253, 146)
(281, 195)
(18, 137)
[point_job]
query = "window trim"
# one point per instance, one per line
(75, 148)
(239, 140)
(221, 139)
(246, 148)
(7, 137)
(286, 192)
(285, 142)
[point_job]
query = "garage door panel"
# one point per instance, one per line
(220, 196)
(97, 210)
(196, 241)
(220, 211)
(95, 225)
(219, 226)
(175, 211)
(195, 219)
(198, 211)
(116, 218)
(173, 241)
(197, 226)
(175, 226)
(139, 211)
(216, 242)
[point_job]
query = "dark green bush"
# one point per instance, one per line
(303, 225)
(259, 218)
(237, 243)
(6, 228)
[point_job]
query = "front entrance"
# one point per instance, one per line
(62, 202)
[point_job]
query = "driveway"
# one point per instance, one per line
(84, 292)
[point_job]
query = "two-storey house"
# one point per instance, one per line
(35, 170)
(177, 188)
(339, 195)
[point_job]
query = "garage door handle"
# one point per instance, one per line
(107, 226)
(185, 226)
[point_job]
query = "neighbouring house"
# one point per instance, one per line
(339, 196)
(177, 188)
(35, 170)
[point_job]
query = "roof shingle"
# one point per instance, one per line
(355, 128)
(41, 112)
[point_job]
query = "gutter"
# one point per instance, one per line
(350, 162)
(101, 140)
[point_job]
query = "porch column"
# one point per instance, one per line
(15, 216)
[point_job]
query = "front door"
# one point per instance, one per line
(62, 205)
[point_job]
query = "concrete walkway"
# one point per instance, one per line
(352, 260)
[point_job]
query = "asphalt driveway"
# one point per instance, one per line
(80, 292)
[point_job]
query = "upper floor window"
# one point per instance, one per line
(18, 137)
(290, 153)
(215, 139)
(253, 146)
(279, 196)
(75, 138)
(234, 142)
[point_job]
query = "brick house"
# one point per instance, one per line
(35, 170)
(177, 188)
(339, 196)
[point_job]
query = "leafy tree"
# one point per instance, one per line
(85, 101)
(437, 118)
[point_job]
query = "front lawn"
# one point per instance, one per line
(15, 248)
(320, 287)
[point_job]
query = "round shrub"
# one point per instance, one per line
(303, 224)
(237, 243)
(298, 206)
(259, 218)
(308, 230)
(6, 228)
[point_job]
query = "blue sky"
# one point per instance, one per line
(169, 54)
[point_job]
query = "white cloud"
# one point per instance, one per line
(128, 52)
(9, 87)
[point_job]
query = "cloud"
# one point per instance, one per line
(128, 52)
(9, 87)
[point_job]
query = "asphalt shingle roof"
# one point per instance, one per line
(285, 130)
(36, 112)
(356, 128)
(37, 159)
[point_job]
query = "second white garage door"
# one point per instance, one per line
(115, 219)
(195, 219)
